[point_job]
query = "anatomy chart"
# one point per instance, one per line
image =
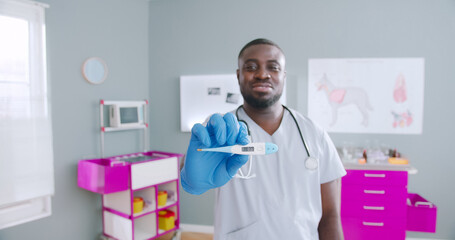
(383, 95)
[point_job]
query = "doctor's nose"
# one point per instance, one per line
(263, 74)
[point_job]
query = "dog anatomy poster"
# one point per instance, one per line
(383, 95)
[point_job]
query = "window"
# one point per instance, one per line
(26, 154)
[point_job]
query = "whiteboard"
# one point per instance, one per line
(201, 96)
(204, 95)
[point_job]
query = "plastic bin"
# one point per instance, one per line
(103, 175)
(166, 220)
(162, 198)
(421, 214)
(138, 204)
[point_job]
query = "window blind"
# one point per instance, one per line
(26, 153)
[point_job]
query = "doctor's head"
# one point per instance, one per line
(261, 73)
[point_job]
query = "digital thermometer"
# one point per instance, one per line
(249, 149)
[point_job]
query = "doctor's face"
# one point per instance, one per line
(261, 75)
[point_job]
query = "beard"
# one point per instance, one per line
(261, 103)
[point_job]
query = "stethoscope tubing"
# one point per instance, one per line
(293, 117)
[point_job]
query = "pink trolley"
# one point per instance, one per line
(120, 179)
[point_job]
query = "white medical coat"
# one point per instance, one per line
(283, 201)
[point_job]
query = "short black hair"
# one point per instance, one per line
(259, 41)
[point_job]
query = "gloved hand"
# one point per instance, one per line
(205, 170)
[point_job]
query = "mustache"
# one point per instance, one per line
(262, 82)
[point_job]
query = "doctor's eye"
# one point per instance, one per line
(250, 67)
(274, 67)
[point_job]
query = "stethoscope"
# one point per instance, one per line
(311, 163)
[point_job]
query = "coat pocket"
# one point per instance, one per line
(248, 232)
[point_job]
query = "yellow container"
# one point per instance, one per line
(138, 204)
(162, 198)
(166, 220)
(394, 160)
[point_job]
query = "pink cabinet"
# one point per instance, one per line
(375, 205)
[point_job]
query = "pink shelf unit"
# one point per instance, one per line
(121, 178)
(375, 205)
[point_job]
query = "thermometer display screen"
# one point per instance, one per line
(247, 149)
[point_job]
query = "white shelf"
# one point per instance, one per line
(161, 231)
(147, 209)
(142, 235)
(141, 124)
(168, 203)
(114, 129)
(123, 102)
(143, 227)
(385, 167)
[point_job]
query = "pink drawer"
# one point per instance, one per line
(421, 214)
(355, 208)
(373, 177)
(110, 175)
(102, 175)
(374, 228)
(374, 193)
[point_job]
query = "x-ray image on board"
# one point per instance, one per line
(214, 91)
(233, 98)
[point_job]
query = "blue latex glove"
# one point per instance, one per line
(205, 170)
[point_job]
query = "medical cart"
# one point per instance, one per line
(131, 186)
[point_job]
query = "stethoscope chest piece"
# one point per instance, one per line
(311, 163)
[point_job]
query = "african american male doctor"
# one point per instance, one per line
(291, 194)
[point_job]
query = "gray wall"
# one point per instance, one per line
(204, 37)
(147, 46)
(117, 31)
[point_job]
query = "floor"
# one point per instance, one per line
(188, 236)
(206, 236)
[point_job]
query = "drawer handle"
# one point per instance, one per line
(376, 224)
(429, 204)
(374, 191)
(372, 208)
(374, 175)
(115, 163)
